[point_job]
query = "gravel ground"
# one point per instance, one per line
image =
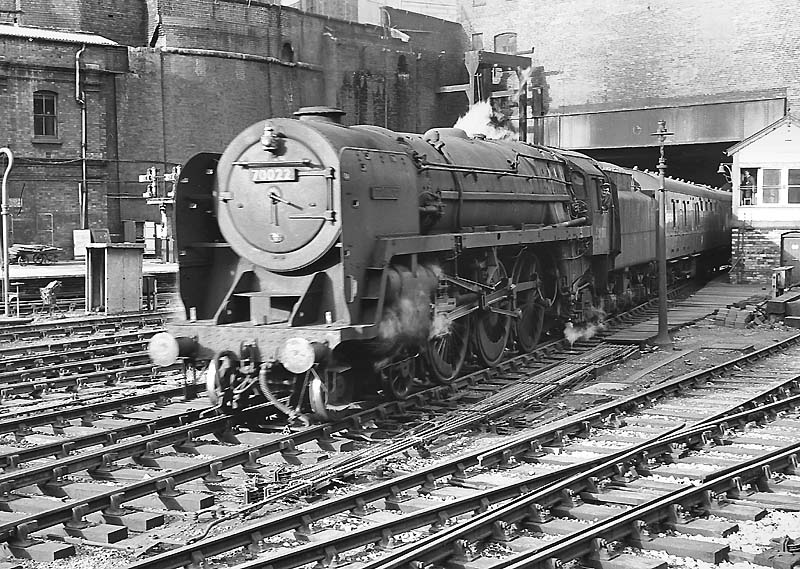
(700, 346)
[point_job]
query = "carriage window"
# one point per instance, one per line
(794, 185)
(771, 186)
(674, 215)
(685, 220)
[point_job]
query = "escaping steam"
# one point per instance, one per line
(583, 332)
(586, 331)
(483, 119)
(407, 316)
(440, 326)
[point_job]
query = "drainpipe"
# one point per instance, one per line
(80, 98)
(6, 237)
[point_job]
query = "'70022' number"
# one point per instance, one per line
(275, 175)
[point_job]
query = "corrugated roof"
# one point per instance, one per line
(54, 35)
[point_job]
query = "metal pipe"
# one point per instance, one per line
(4, 213)
(80, 98)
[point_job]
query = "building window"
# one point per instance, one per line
(794, 185)
(45, 117)
(477, 41)
(771, 186)
(505, 43)
(287, 52)
(747, 186)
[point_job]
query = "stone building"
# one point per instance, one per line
(163, 80)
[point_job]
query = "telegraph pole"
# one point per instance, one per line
(662, 339)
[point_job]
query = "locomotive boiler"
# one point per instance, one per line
(319, 262)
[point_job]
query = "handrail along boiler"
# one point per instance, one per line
(323, 261)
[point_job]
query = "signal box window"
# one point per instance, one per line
(794, 185)
(748, 187)
(771, 186)
(45, 117)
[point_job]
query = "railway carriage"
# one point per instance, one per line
(323, 262)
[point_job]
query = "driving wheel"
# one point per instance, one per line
(446, 349)
(491, 329)
(529, 326)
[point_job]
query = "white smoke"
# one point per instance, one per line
(482, 119)
(440, 326)
(583, 332)
(407, 317)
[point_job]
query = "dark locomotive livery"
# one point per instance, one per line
(323, 261)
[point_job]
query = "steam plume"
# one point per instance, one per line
(407, 316)
(482, 119)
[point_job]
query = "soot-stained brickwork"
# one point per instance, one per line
(192, 74)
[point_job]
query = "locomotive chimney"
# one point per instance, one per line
(321, 114)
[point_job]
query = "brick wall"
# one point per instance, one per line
(124, 21)
(610, 54)
(755, 252)
(43, 184)
(219, 66)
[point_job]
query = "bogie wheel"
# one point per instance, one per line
(22, 260)
(529, 326)
(491, 329)
(38, 258)
(327, 393)
(398, 380)
(446, 349)
(318, 397)
(219, 372)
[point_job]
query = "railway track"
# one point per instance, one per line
(385, 514)
(210, 459)
(20, 358)
(84, 326)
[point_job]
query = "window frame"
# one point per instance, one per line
(43, 118)
(506, 38)
(790, 187)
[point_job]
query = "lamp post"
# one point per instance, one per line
(4, 214)
(662, 339)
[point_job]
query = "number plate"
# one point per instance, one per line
(275, 175)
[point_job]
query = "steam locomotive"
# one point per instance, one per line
(319, 262)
